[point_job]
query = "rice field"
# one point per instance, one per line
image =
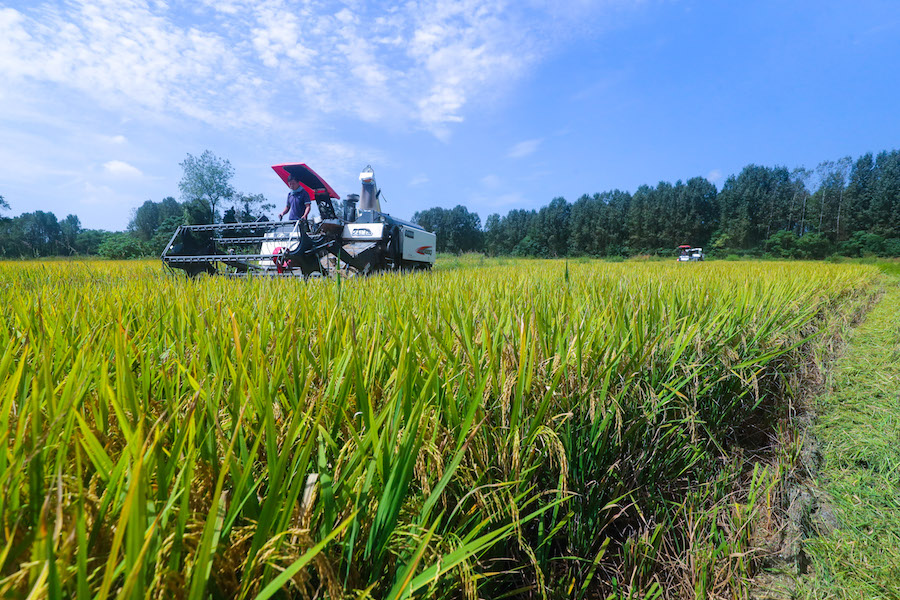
(520, 429)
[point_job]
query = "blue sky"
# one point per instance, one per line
(491, 104)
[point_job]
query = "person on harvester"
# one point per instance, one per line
(298, 201)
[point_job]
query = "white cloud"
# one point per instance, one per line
(523, 149)
(97, 194)
(714, 176)
(511, 199)
(120, 168)
(117, 140)
(490, 181)
(129, 56)
(418, 180)
(234, 63)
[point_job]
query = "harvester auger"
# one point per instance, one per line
(353, 240)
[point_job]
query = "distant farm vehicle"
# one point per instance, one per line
(354, 241)
(688, 254)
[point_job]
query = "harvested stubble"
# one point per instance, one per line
(530, 429)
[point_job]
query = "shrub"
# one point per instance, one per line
(121, 246)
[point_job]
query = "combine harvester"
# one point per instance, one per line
(354, 241)
(688, 254)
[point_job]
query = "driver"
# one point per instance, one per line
(298, 201)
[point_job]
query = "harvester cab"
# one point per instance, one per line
(349, 238)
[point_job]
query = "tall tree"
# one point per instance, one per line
(860, 194)
(698, 210)
(493, 235)
(587, 226)
(516, 226)
(638, 219)
(886, 199)
(550, 231)
(457, 229)
(145, 219)
(842, 170)
(205, 184)
(799, 195)
(824, 171)
(40, 233)
(250, 207)
(69, 228)
(752, 205)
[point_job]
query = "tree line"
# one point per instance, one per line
(207, 196)
(846, 207)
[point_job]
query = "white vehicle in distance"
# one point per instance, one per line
(688, 254)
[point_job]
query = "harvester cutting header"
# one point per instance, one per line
(354, 237)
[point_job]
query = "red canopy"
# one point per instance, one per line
(308, 178)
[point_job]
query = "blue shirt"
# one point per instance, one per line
(297, 201)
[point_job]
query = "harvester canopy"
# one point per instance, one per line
(309, 179)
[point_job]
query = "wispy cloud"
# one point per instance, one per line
(490, 181)
(120, 168)
(114, 139)
(506, 200)
(128, 55)
(97, 194)
(714, 176)
(523, 149)
(418, 180)
(416, 64)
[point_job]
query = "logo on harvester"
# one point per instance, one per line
(424, 250)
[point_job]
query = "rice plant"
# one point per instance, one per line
(516, 429)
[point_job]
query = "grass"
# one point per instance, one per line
(859, 427)
(519, 428)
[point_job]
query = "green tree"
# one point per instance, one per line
(69, 228)
(886, 198)
(863, 244)
(697, 211)
(618, 203)
(860, 195)
(120, 246)
(515, 227)
(457, 229)
(782, 244)
(638, 219)
(40, 233)
(550, 231)
(813, 245)
(753, 205)
(493, 235)
(145, 219)
(250, 207)
(587, 226)
(7, 236)
(89, 240)
(196, 212)
(205, 184)
(799, 196)
(842, 171)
